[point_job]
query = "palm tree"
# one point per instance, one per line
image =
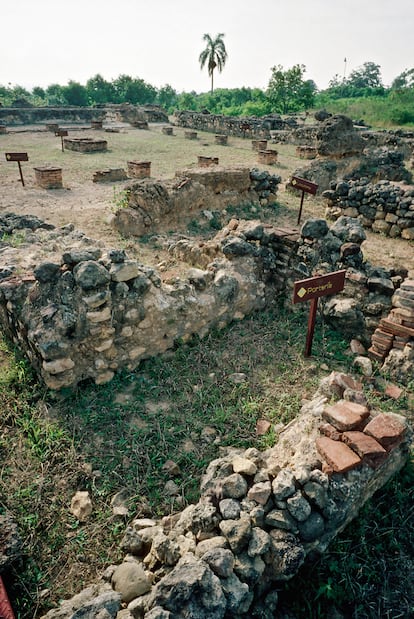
(214, 55)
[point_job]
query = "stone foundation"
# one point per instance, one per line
(267, 157)
(167, 130)
(259, 144)
(140, 124)
(49, 177)
(306, 152)
(109, 176)
(206, 162)
(139, 169)
(190, 135)
(85, 145)
(3, 129)
(221, 139)
(96, 124)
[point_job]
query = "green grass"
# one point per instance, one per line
(119, 436)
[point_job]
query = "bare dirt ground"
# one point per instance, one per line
(90, 206)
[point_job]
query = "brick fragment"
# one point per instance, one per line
(337, 455)
(375, 354)
(327, 429)
(345, 415)
(393, 391)
(262, 427)
(367, 448)
(387, 429)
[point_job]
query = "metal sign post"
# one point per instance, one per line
(306, 187)
(18, 157)
(61, 133)
(311, 289)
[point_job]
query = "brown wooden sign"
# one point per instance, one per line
(319, 286)
(61, 133)
(304, 186)
(311, 289)
(302, 183)
(17, 157)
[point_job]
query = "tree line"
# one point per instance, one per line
(288, 91)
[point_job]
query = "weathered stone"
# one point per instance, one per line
(298, 507)
(57, 366)
(260, 492)
(281, 519)
(283, 485)
(90, 274)
(81, 505)
(229, 509)
(316, 493)
(237, 532)
(74, 256)
(238, 595)
(312, 528)
(244, 466)
(259, 542)
(249, 569)
(234, 486)
(209, 544)
(11, 542)
(94, 601)
(286, 555)
(220, 560)
(314, 228)
(130, 580)
(125, 271)
(47, 272)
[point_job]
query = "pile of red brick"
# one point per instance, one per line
(351, 437)
(397, 330)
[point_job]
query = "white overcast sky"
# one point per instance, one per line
(53, 41)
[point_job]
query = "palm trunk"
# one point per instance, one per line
(212, 82)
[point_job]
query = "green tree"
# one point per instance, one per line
(133, 90)
(167, 97)
(367, 76)
(214, 55)
(404, 80)
(288, 91)
(55, 94)
(75, 94)
(99, 90)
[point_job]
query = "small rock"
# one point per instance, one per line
(81, 505)
(364, 364)
(130, 580)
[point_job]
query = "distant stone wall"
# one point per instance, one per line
(12, 116)
(249, 126)
(383, 207)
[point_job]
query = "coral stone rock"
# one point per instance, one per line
(130, 580)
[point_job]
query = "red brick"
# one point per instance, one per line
(386, 429)
(328, 430)
(345, 415)
(374, 354)
(393, 391)
(337, 455)
(367, 448)
(262, 427)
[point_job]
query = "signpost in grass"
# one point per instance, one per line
(18, 157)
(306, 187)
(311, 289)
(61, 133)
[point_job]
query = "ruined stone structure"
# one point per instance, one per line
(85, 145)
(259, 516)
(49, 177)
(125, 112)
(111, 175)
(246, 127)
(162, 205)
(384, 207)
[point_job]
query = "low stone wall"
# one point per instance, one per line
(164, 205)
(384, 207)
(85, 311)
(72, 114)
(85, 145)
(259, 516)
(112, 175)
(244, 127)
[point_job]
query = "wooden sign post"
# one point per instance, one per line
(18, 157)
(310, 290)
(306, 187)
(61, 133)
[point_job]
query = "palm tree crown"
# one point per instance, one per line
(214, 55)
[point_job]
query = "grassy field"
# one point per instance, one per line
(184, 406)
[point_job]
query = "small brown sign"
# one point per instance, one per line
(303, 184)
(61, 133)
(319, 286)
(17, 157)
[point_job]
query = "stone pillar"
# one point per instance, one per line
(96, 124)
(268, 157)
(190, 135)
(139, 169)
(49, 177)
(259, 144)
(221, 139)
(167, 130)
(206, 162)
(306, 152)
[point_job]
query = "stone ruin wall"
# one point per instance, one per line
(259, 516)
(79, 310)
(15, 116)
